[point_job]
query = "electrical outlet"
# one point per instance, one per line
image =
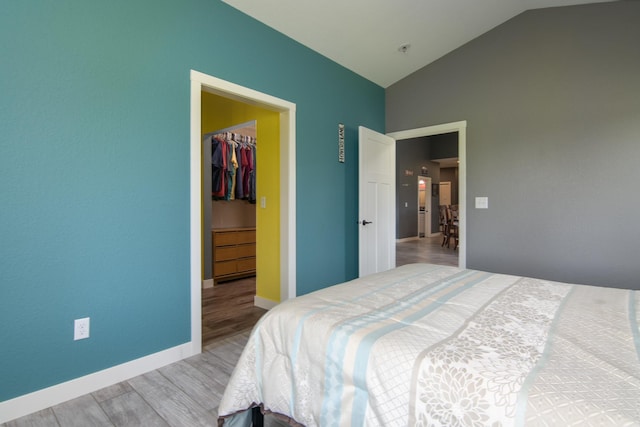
(81, 328)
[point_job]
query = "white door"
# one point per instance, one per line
(377, 195)
(445, 193)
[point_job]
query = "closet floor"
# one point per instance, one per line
(227, 309)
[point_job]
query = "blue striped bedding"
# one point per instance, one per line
(434, 345)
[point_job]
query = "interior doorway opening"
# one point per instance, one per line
(424, 206)
(459, 127)
(286, 224)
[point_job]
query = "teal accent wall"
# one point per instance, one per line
(94, 171)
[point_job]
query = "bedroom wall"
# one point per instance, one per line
(553, 139)
(94, 168)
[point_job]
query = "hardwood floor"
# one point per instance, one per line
(228, 308)
(187, 393)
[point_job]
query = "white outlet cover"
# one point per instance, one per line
(81, 328)
(482, 203)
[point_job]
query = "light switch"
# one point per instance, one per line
(482, 203)
(263, 202)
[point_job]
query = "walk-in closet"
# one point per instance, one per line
(230, 184)
(229, 195)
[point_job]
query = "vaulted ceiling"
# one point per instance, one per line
(386, 40)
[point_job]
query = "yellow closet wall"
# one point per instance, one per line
(219, 113)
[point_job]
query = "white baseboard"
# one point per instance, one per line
(207, 283)
(267, 304)
(54, 395)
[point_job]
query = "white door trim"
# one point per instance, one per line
(461, 128)
(287, 110)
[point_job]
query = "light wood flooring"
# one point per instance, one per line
(426, 249)
(187, 393)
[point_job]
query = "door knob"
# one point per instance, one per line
(365, 222)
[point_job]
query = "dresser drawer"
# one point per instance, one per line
(248, 264)
(224, 238)
(234, 253)
(225, 253)
(246, 236)
(225, 267)
(245, 251)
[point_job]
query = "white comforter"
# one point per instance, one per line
(434, 345)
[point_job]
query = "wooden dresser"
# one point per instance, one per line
(234, 253)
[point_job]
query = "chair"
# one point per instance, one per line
(454, 222)
(449, 225)
(443, 223)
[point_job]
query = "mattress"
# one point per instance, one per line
(434, 345)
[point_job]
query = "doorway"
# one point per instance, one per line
(424, 206)
(461, 129)
(286, 223)
(445, 193)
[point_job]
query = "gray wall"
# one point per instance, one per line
(552, 103)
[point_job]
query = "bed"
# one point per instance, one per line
(433, 345)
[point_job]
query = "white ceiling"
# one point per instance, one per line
(365, 35)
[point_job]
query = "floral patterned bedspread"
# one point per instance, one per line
(440, 346)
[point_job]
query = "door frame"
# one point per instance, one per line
(461, 128)
(287, 110)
